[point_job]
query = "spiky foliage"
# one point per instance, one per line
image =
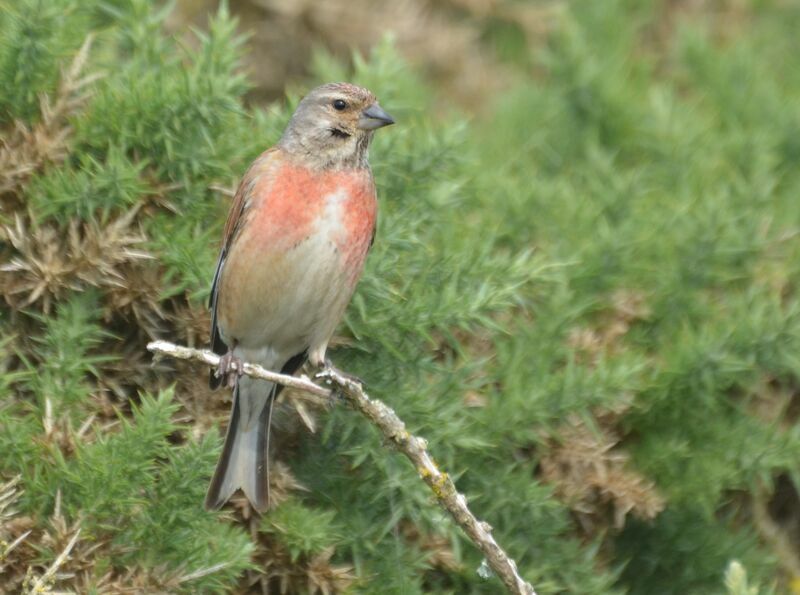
(585, 301)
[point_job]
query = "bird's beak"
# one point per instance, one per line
(374, 117)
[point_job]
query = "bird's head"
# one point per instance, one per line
(332, 126)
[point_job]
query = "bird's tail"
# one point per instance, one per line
(245, 456)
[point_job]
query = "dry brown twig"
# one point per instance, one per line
(35, 585)
(394, 430)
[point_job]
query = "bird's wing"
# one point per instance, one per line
(236, 217)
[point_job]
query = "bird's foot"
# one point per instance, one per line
(330, 374)
(230, 368)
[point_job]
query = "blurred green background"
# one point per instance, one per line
(583, 293)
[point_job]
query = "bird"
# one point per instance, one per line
(293, 249)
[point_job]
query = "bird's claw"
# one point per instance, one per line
(230, 368)
(327, 370)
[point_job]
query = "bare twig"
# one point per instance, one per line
(202, 572)
(9, 495)
(212, 359)
(394, 430)
(45, 582)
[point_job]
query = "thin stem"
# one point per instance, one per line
(394, 430)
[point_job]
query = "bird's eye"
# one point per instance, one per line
(339, 104)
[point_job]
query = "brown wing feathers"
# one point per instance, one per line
(234, 222)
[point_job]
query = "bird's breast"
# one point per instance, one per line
(299, 255)
(301, 205)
